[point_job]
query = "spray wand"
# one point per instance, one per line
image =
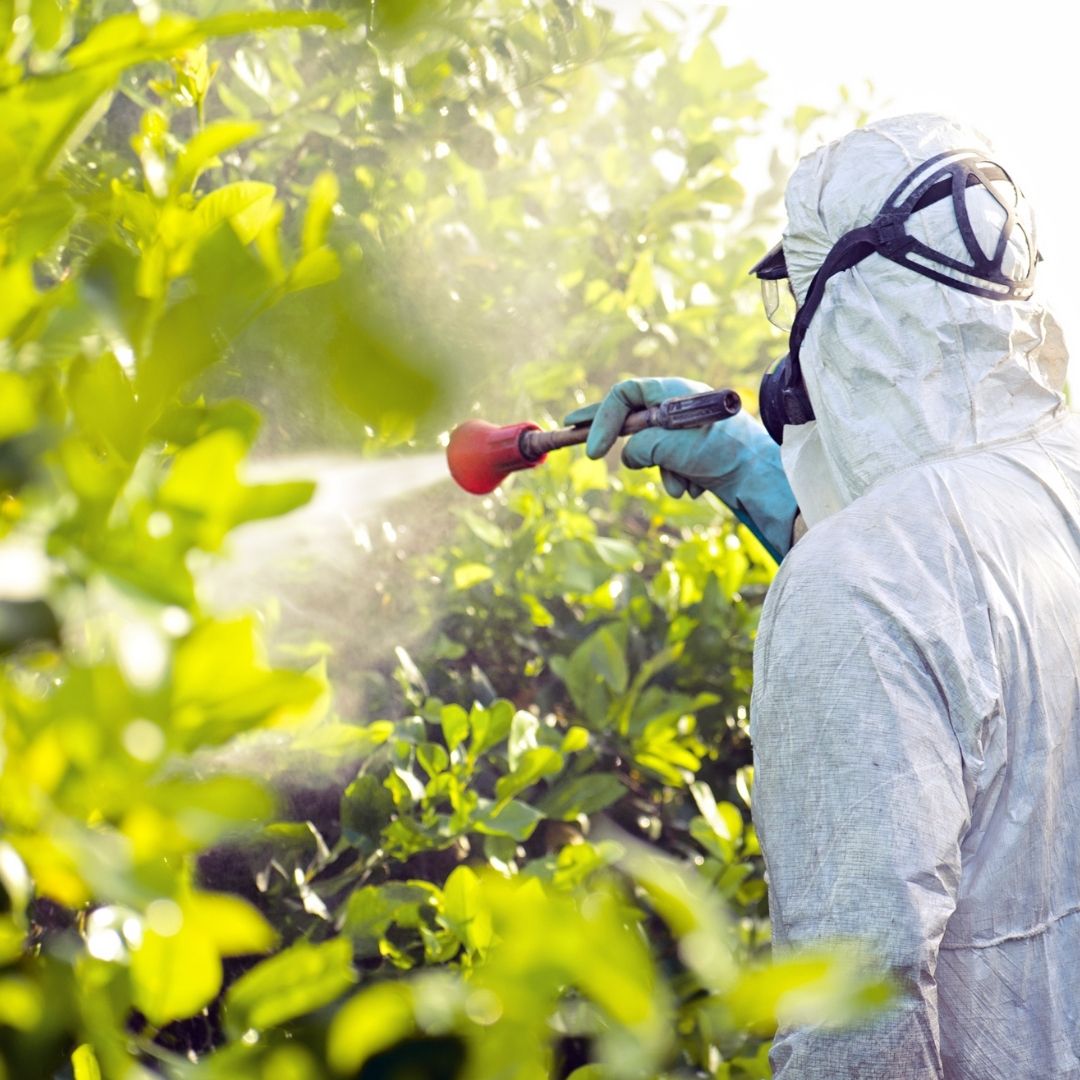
(480, 454)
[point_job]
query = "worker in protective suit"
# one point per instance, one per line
(916, 705)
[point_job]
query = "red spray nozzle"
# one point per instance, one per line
(480, 454)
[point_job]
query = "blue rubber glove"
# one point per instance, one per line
(735, 459)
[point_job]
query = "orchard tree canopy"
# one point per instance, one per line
(471, 802)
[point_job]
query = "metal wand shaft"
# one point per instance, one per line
(696, 410)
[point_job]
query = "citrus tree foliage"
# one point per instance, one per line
(556, 198)
(374, 214)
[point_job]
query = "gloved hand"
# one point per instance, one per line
(735, 459)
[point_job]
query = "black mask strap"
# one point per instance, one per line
(886, 235)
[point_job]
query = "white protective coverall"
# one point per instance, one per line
(916, 706)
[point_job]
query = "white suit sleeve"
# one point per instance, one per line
(860, 803)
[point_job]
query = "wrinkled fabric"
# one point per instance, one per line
(916, 704)
(816, 490)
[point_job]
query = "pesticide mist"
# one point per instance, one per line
(327, 574)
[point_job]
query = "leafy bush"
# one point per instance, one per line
(469, 894)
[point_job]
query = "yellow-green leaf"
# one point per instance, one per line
(206, 145)
(18, 413)
(466, 575)
(246, 205)
(84, 1063)
(21, 1003)
(174, 976)
(232, 924)
(17, 289)
(463, 909)
(324, 193)
(575, 739)
(103, 402)
(316, 267)
(373, 1020)
(302, 978)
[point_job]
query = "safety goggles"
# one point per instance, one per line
(949, 175)
(777, 296)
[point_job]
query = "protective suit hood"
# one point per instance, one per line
(900, 368)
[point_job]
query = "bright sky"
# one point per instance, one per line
(1011, 69)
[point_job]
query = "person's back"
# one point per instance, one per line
(1018, 907)
(916, 708)
(960, 821)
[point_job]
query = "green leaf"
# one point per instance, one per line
(516, 819)
(466, 575)
(463, 909)
(207, 808)
(42, 223)
(314, 268)
(246, 205)
(250, 22)
(49, 22)
(724, 189)
(256, 502)
(575, 740)
(641, 286)
(455, 725)
(484, 530)
(20, 298)
(221, 683)
(321, 199)
(18, 413)
(371, 910)
(173, 976)
(717, 846)
(744, 783)
(806, 989)
(103, 402)
(489, 726)
(533, 765)
(432, 758)
(95, 474)
(368, 913)
(183, 345)
(206, 145)
(124, 40)
(582, 795)
(523, 729)
(185, 424)
(366, 809)
(804, 116)
(379, 373)
(43, 118)
(84, 1063)
(618, 554)
(373, 1020)
(22, 1004)
(538, 614)
(297, 981)
(232, 924)
(597, 664)
(690, 907)
(460, 896)
(723, 818)
(607, 650)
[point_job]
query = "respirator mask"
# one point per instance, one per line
(783, 397)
